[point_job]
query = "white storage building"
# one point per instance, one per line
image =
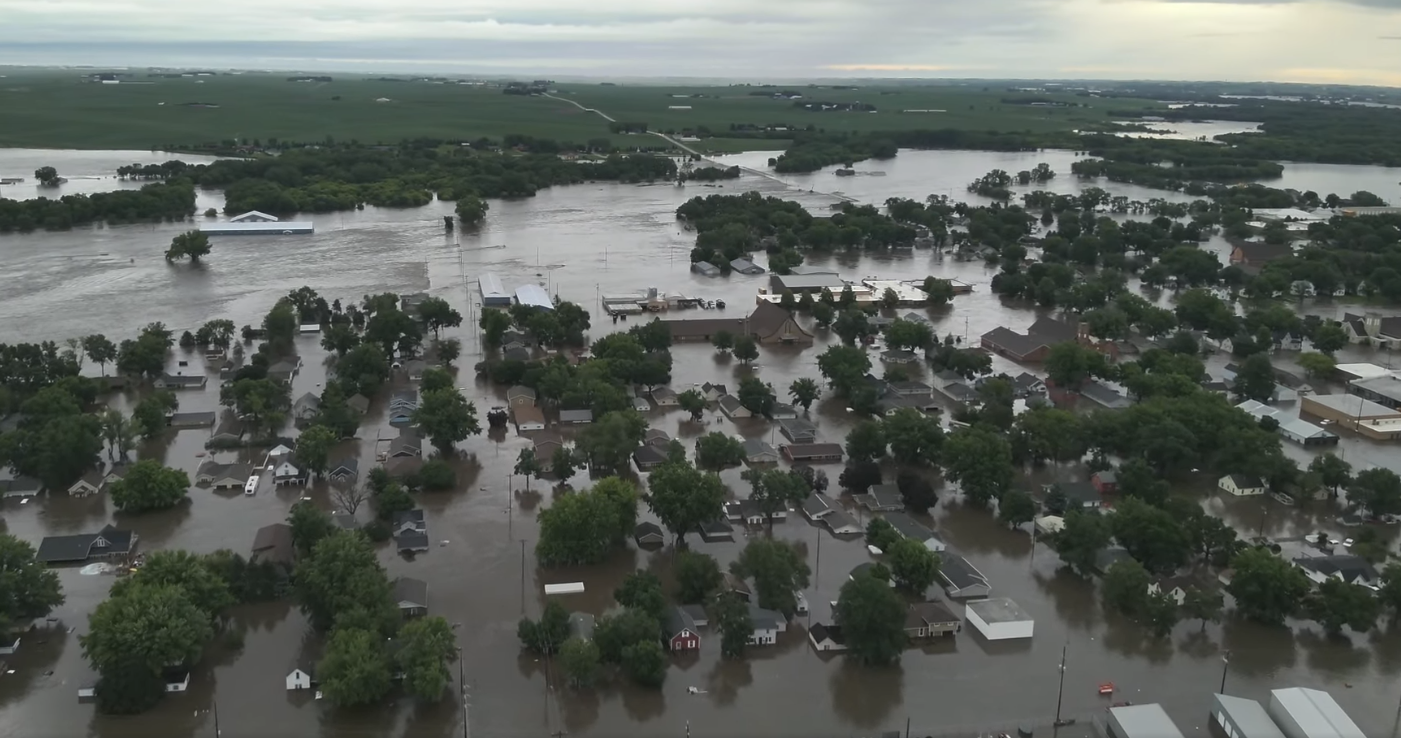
(494, 294)
(1238, 717)
(535, 296)
(1310, 713)
(1141, 721)
(999, 619)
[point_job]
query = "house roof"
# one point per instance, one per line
(768, 318)
(646, 530)
(411, 540)
(1349, 568)
(909, 527)
(797, 427)
(960, 392)
(833, 633)
(60, 549)
(958, 572)
(648, 454)
(359, 403)
(817, 504)
(1258, 251)
(716, 528)
(533, 295)
(349, 464)
(273, 544)
(520, 391)
(677, 620)
(729, 403)
(1315, 712)
(412, 591)
(764, 619)
(403, 466)
(1080, 492)
(812, 450)
(1053, 330)
(216, 471)
(697, 328)
(912, 387)
(414, 516)
(1103, 394)
(529, 414)
(404, 398)
(663, 393)
(576, 416)
(741, 265)
(1245, 481)
(794, 282)
(408, 441)
(657, 437)
(933, 613)
(710, 387)
(546, 445)
(307, 401)
(1012, 342)
(840, 523)
(882, 496)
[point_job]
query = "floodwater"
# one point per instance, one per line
(1188, 130)
(583, 242)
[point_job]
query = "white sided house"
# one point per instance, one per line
(1241, 485)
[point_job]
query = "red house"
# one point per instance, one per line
(1105, 482)
(681, 632)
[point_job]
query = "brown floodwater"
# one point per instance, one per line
(585, 242)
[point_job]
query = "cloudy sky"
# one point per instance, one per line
(1348, 41)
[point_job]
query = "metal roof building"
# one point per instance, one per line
(535, 296)
(1141, 721)
(1238, 717)
(1310, 713)
(494, 294)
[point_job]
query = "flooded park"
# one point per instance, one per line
(582, 243)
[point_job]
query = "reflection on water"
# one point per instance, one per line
(611, 239)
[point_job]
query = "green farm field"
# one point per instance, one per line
(59, 109)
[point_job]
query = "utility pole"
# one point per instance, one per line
(1060, 691)
(1225, 665)
(216, 719)
(522, 577)
(462, 686)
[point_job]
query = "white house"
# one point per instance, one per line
(298, 679)
(1241, 485)
(730, 406)
(826, 637)
(290, 471)
(767, 625)
(910, 528)
(177, 678)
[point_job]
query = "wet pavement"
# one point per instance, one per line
(583, 242)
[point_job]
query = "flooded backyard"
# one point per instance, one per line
(585, 242)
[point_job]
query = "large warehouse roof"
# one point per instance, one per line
(535, 296)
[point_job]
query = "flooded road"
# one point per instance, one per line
(583, 242)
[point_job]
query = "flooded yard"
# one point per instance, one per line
(585, 242)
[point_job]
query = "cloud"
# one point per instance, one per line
(775, 39)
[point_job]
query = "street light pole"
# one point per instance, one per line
(1225, 665)
(1060, 691)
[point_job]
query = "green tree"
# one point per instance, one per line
(438, 314)
(1332, 471)
(339, 338)
(527, 466)
(1267, 589)
(580, 662)
(342, 581)
(844, 367)
(447, 350)
(1151, 535)
(314, 447)
(852, 325)
(1161, 614)
(881, 534)
(723, 341)
(684, 498)
(309, 525)
(913, 567)
(354, 669)
(149, 486)
(426, 647)
(363, 370)
(548, 634)
(980, 461)
(804, 391)
(395, 331)
(132, 637)
(1378, 490)
(915, 438)
(615, 632)
(1390, 593)
(1125, 588)
(204, 588)
(746, 349)
(692, 402)
(1016, 508)
(779, 570)
(28, 588)
(866, 442)
(774, 490)
(1255, 380)
(1338, 603)
(280, 326)
(1203, 604)
(120, 433)
(645, 663)
(100, 350)
(562, 464)
(940, 291)
(471, 209)
(716, 451)
(1047, 433)
(263, 402)
(1328, 338)
(446, 417)
(642, 590)
(823, 313)
(734, 624)
(1069, 364)
(756, 396)
(872, 619)
(47, 177)
(697, 576)
(150, 413)
(909, 334)
(1316, 364)
(1081, 540)
(609, 442)
(190, 244)
(435, 378)
(584, 527)
(494, 324)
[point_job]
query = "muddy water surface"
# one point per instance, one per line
(583, 242)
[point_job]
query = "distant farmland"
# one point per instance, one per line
(59, 109)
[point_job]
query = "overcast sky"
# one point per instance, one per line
(1349, 41)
